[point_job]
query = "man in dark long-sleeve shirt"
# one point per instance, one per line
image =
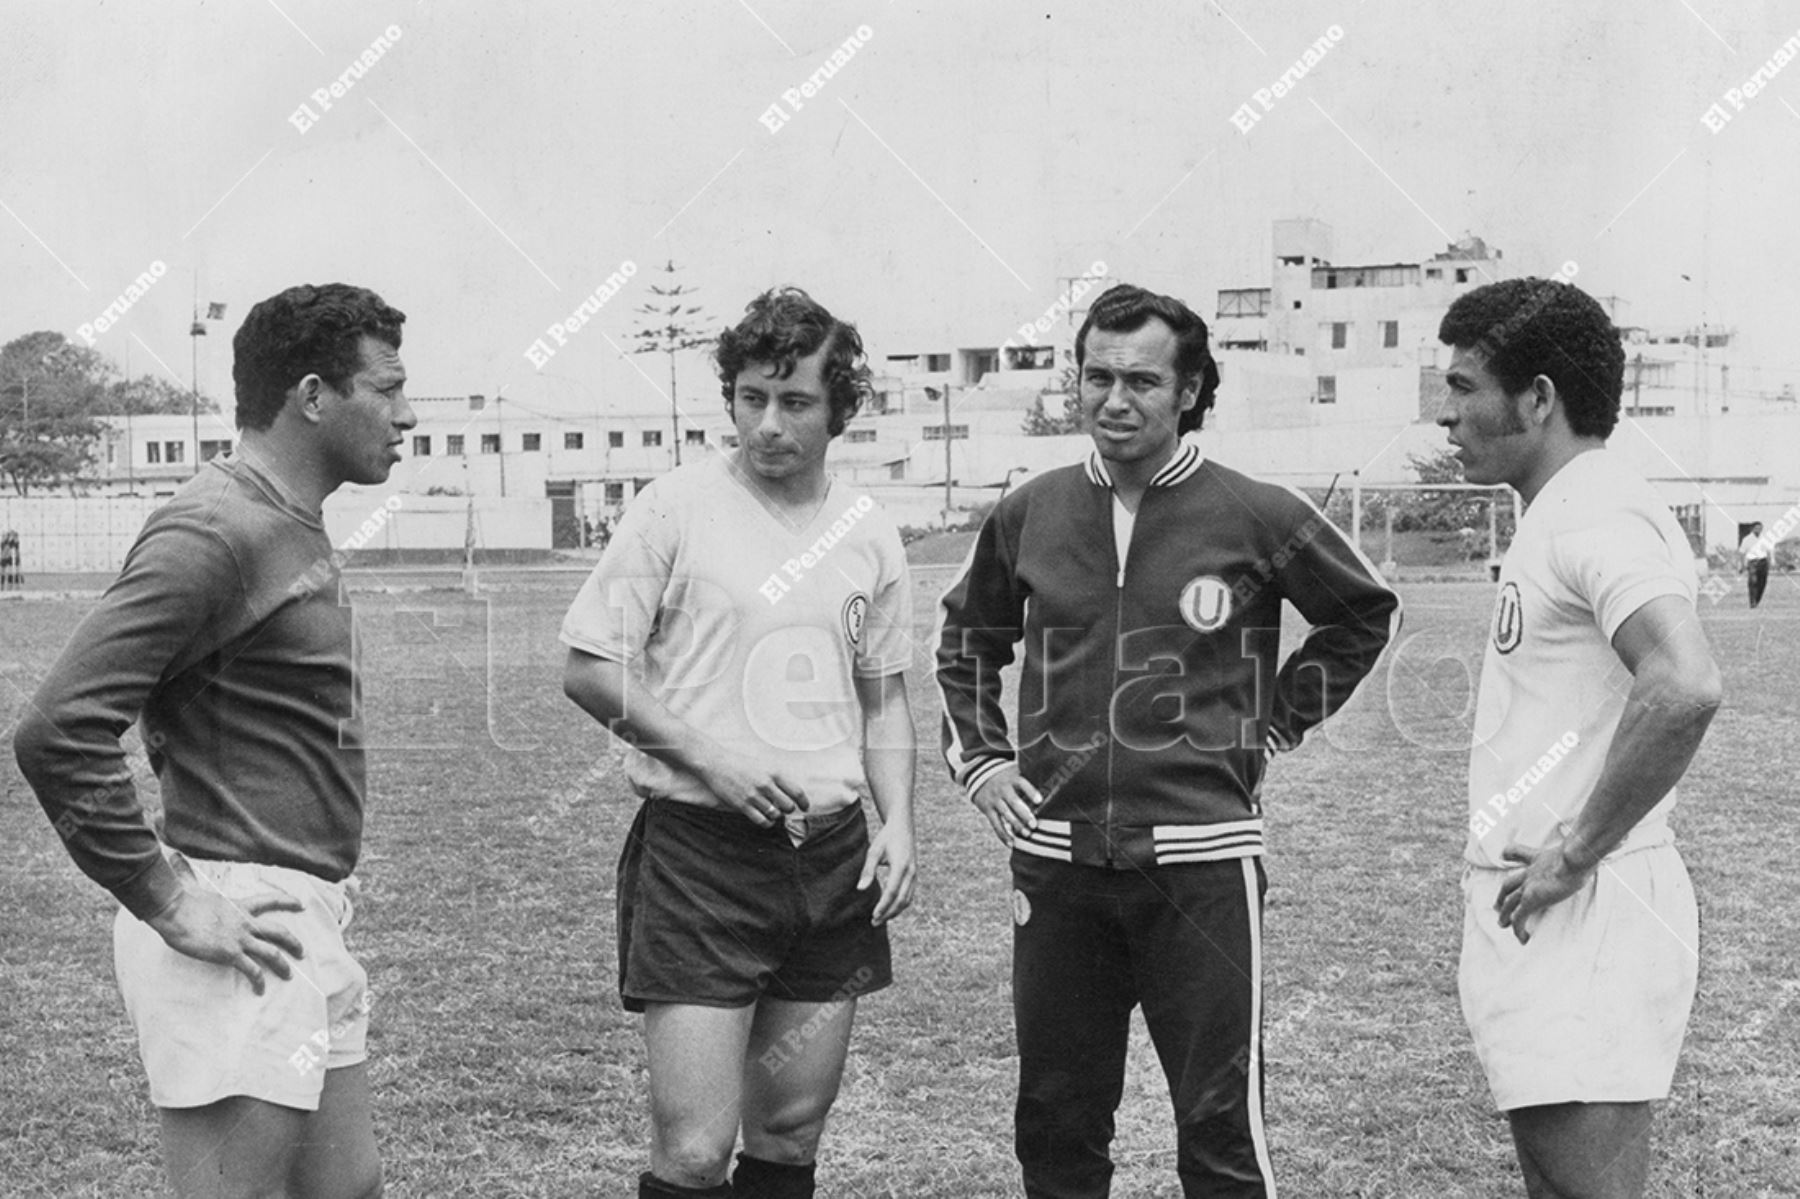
(1147, 588)
(226, 635)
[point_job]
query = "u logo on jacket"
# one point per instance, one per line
(1206, 604)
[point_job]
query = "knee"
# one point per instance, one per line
(790, 1133)
(691, 1161)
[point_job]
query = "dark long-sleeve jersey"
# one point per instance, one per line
(1150, 693)
(225, 632)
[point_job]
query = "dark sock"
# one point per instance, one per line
(652, 1187)
(759, 1179)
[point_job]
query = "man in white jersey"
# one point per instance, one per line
(1580, 932)
(746, 633)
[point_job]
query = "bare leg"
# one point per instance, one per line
(337, 1157)
(1583, 1150)
(237, 1148)
(791, 1075)
(696, 1089)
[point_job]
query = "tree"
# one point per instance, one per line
(1038, 423)
(669, 327)
(1442, 511)
(53, 395)
(150, 395)
(50, 395)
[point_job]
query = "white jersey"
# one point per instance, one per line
(1596, 545)
(749, 628)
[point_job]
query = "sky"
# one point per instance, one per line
(500, 160)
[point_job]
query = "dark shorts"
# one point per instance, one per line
(716, 911)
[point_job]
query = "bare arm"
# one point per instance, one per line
(607, 691)
(1675, 690)
(890, 749)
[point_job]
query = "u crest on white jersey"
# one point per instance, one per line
(1206, 603)
(1509, 620)
(856, 610)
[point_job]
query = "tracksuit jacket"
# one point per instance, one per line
(1150, 698)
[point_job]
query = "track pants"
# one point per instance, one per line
(1090, 944)
(1758, 571)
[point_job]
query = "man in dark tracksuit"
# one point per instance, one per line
(1147, 588)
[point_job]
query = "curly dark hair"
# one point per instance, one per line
(784, 325)
(302, 331)
(1123, 308)
(1523, 328)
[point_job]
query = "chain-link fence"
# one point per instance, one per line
(60, 534)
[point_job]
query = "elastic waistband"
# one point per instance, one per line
(796, 826)
(1137, 846)
(1626, 850)
(228, 876)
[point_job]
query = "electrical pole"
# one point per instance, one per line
(948, 503)
(196, 331)
(500, 427)
(671, 328)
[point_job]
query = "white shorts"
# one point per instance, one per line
(1594, 1008)
(205, 1034)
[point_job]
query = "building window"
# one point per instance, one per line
(859, 436)
(936, 432)
(477, 403)
(453, 443)
(1340, 334)
(652, 437)
(615, 439)
(693, 436)
(153, 453)
(729, 441)
(174, 451)
(533, 442)
(572, 441)
(1390, 334)
(1296, 305)
(490, 443)
(937, 363)
(1327, 393)
(615, 493)
(422, 445)
(212, 449)
(1432, 272)
(1462, 274)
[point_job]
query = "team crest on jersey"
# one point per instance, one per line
(856, 611)
(1206, 603)
(1509, 620)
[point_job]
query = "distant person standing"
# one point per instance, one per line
(226, 635)
(12, 572)
(1755, 553)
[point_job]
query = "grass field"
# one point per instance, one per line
(504, 1066)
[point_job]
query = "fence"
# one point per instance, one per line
(60, 534)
